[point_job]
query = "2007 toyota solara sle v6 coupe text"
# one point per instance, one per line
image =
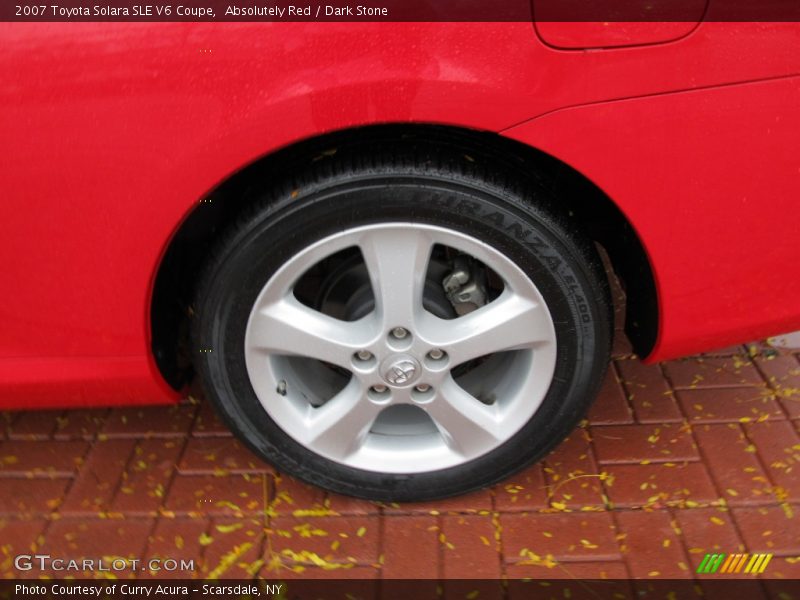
(380, 247)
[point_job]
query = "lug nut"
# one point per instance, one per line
(378, 389)
(363, 355)
(399, 333)
(436, 354)
(422, 388)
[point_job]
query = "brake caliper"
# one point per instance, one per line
(465, 285)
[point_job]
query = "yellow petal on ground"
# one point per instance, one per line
(228, 560)
(315, 512)
(306, 531)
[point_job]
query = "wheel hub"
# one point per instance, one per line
(400, 370)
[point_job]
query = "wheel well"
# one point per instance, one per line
(583, 202)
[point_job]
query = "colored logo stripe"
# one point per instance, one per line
(710, 563)
(734, 563)
(726, 566)
(758, 564)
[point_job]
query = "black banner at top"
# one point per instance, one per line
(401, 10)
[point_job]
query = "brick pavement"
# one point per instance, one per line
(674, 460)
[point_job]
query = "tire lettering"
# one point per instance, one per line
(553, 261)
(518, 232)
(538, 243)
(469, 207)
(522, 234)
(497, 218)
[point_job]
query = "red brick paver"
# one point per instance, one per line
(101, 478)
(573, 474)
(649, 393)
(652, 545)
(673, 461)
(734, 465)
(470, 547)
(560, 536)
(325, 540)
(402, 534)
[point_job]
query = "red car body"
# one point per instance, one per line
(112, 135)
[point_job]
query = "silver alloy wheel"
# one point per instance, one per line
(400, 410)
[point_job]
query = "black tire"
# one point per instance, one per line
(511, 213)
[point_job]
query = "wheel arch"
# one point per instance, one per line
(584, 202)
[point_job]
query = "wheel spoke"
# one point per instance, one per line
(340, 427)
(511, 322)
(289, 327)
(467, 426)
(397, 260)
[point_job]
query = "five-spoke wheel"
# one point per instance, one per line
(393, 403)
